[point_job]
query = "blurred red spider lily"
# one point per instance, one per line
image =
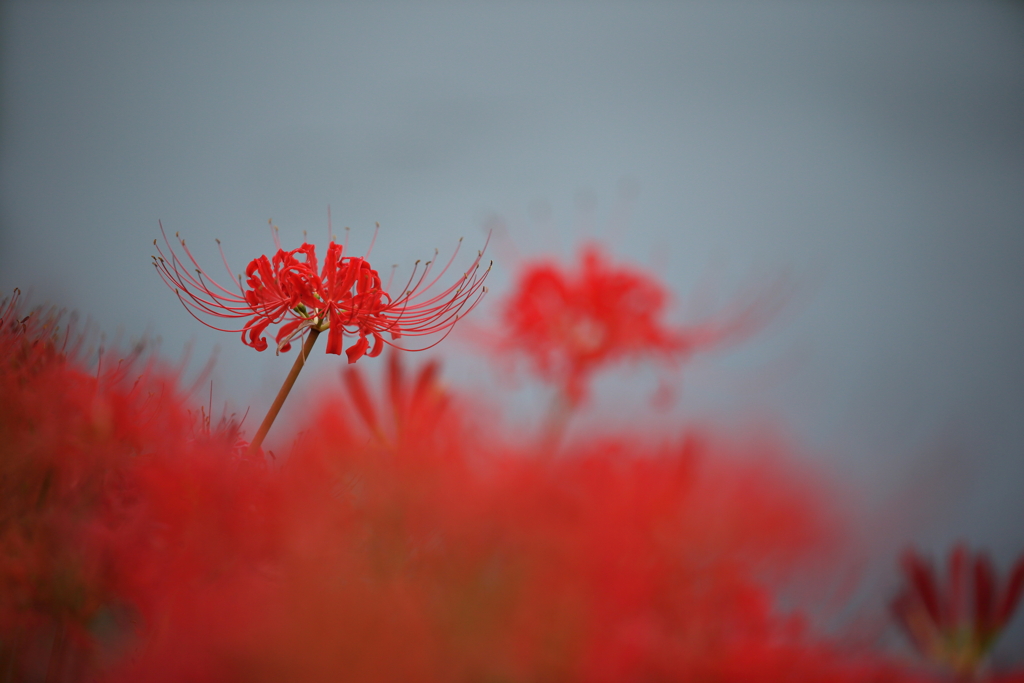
(956, 624)
(346, 296)
(571, 324)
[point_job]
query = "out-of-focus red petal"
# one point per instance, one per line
(360, 396)
(922, 579)
(396, 385)
(984, 596)
(955, 609)
(1014, 588)
(907, 610)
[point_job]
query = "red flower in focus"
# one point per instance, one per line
(571, 324)
(956, 624)
(346, 296)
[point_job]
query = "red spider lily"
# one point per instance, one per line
(572, 324)
(346, 296)
(956, 624)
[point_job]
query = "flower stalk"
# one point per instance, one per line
(289, 381)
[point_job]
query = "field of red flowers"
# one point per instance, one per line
(407, 535)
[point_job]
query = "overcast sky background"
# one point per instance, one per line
(874, 152)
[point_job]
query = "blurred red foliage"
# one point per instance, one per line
(438, 552)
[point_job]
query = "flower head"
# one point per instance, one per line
(956, 623)
(345, 296)
(571, 324)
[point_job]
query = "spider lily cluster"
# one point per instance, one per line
(410, 534)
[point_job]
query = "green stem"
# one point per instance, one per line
(275, 408)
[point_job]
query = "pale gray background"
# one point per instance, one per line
(872, 151)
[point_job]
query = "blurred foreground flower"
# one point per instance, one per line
(406, 537)
(74, 434)
(409, 411)
(956, 624)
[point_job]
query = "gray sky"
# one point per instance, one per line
(872, 151)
